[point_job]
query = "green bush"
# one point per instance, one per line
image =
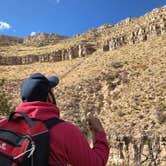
(4, 102)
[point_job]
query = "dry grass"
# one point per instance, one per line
(20, 50)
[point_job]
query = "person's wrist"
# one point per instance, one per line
(100, 134)
(101, 129)
(98, 131)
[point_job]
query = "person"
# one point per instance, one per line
(68, 145)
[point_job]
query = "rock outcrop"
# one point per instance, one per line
(59, 55)
(145, 149)
(138, 35)
(9, 40)
(42, 39)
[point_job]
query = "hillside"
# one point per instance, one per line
(10, 45)
(124, 85)
(128, 31)
(9, 40)
(125, 88)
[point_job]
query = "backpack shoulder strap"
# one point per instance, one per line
(52, 122)
(23, 115)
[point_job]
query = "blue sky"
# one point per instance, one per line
(67, 17)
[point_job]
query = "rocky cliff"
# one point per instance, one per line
(54, 56)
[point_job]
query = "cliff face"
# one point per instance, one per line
(54, 56)
(116, 73)
(155, 26)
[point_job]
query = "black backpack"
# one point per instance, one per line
(25, 141)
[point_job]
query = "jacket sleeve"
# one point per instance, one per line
(79, 151)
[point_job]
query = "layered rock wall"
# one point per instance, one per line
(138, 35)
(59, 55)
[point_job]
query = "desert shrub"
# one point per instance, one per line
(4, 102)
(161, 113)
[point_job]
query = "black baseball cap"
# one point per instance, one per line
(37, 86)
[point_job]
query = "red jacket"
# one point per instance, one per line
(67, 144)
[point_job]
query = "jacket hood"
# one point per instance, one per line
(39, 110)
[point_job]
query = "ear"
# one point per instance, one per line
(49, 98)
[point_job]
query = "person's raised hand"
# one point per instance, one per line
(95, 125)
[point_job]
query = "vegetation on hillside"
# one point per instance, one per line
(4, 102)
